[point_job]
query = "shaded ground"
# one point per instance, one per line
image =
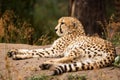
(22, 69)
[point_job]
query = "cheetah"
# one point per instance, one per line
(73, 49)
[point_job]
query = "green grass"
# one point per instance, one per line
(69, 77)
(76, 77)
(116, 39)
(1, 76)
(117, 61)
(43, 77)
(39, 78)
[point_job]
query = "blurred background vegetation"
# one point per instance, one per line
(33, 21)
(30, 21)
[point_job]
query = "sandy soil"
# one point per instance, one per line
(23, 69)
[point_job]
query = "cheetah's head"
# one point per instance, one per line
(67, 25)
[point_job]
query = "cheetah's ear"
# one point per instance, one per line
(74, 24)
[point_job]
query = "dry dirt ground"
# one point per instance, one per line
(23, 69)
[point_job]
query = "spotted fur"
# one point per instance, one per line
(75, 50)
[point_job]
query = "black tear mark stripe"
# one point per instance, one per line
(61, 29)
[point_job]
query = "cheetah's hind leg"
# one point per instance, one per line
(50, 64)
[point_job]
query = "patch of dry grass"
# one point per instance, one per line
(14, 29)
(10, 70)
(111, 30)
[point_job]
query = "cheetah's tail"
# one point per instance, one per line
(85, 65)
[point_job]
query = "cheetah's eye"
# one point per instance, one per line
(62, 23)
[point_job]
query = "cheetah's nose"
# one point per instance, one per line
(56, 29)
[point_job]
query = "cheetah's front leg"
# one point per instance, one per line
(17, 54)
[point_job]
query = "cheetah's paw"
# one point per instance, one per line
(45, 66)
(12, 52)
